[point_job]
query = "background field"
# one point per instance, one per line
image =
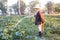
(26, 30)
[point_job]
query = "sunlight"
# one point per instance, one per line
(11, 2)
(42, 2)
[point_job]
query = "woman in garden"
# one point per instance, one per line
(39, 20)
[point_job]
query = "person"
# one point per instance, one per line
(39, 20)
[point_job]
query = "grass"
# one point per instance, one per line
(26, 30)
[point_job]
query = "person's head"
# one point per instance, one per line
(37, 7)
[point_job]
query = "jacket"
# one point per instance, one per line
(39, 18)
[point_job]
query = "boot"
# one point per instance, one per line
(40, 34)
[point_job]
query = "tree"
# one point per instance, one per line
(19, 7)
(22, 7)
(57, 7)
(50, 7)
(32, 4)
(19, 12)
(15, 7)
(2, 7)
(4, 0)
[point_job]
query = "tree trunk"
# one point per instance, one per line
(19, 13)
(8, 11)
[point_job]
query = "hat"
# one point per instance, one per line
(37, 6)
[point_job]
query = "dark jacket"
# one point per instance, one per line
(39, 18)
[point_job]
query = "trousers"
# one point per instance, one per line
(41, 27)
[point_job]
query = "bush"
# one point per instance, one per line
(26, 30)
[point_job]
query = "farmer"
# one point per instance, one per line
(39, 20)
